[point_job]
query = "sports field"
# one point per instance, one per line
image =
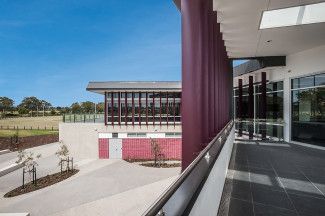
(26, 133)
(31, 122)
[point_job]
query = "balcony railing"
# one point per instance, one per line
(182, 194)
(261, 130)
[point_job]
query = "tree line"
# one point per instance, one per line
(32, 106)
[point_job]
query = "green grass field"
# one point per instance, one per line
(25, 133)
(34, 122)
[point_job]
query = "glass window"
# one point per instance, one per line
(115, 135)
(320, 79)
(306, 82)
(115, 95)
(269, 87)
(131, 135)
(178, 94)
(308, 111)
(173, 134)
(278, 86)
(150, 95)
(295, 83)
(136, 135)
(245, 91)
(236, 92)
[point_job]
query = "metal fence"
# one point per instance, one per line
(7, 127)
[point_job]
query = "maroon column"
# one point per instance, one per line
(250, 106)
(126, 108)
(105, 108)
(216, 29)
(193, 67)
(199, 62)
(240, 106)
(211, 73)
(112, 108)
(207, 53)
(119, 108)
(263, 105)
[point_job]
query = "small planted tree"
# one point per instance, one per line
(28, 159)
(155, 150)
(63, 156)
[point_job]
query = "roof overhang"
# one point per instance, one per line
(259, 63)
(178, 3)
(133, 86)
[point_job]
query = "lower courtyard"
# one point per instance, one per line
(101, 187)
(272, 178)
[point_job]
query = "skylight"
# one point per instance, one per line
(305, 14)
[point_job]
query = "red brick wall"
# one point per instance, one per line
(140, 148)
(103, 149)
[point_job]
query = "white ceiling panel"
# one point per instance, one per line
(240, 22)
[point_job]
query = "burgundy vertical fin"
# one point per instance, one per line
(147, 108)
(105, 108)
(132, 108)
(126, 108)
(139, 108)
(119, 108)
(112, 108)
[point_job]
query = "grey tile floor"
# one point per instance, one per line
(274, 179)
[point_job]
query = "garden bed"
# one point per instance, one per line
(41, 183)
(161, 165)
(167, 163)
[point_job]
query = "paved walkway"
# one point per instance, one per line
(106, 187)
(274, 179)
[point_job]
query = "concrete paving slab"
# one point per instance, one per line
(96, 180)
(132, 202)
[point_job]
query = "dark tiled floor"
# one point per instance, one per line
(274, 179)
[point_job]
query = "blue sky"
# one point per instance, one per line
(52, 48)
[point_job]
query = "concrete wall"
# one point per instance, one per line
(300, 64)
(82, 138)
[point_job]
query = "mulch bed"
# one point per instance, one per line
(41, 183)
(132, 160)
(162, 165)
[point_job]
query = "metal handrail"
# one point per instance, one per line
(262, 122)
(156, 208)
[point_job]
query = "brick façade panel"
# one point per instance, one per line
(103, 149)
(140, 148)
